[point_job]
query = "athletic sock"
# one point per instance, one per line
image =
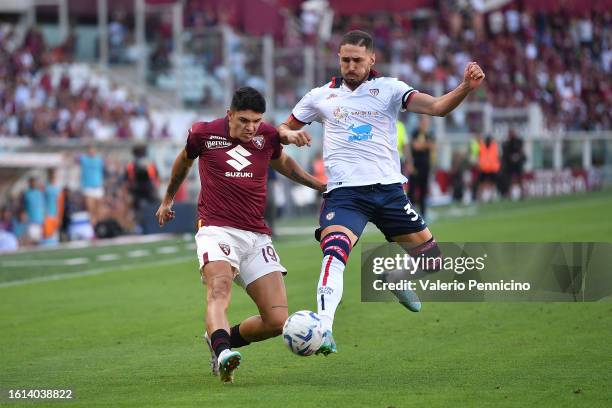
(220, 340)
(336, 248)
(236, 338)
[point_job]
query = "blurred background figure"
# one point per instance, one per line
(421, 153)
(488, 167)
(92, 182)
(34, 206)
(513, 159)
(143, 182)
(53, 208)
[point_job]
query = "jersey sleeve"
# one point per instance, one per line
(277, 148)
(192, 147)
(305, 110)
(402, 92)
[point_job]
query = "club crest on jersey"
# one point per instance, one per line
(259, 141)
(374, 91)
(225, 248)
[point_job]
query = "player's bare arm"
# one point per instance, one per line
(443, 105)
(291, 132)
(180, 169)
(288, 167)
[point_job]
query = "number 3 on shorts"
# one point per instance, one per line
(268, 252)
(409, 211)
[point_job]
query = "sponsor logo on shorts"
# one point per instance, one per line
(330, 215)
(259, 141)
(325, 290)
(225, 248)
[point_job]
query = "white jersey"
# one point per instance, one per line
(360, 135)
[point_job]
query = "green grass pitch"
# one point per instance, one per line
(125, 331)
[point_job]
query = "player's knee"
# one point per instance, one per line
(274, 323)
(431, 254)
(337, 245)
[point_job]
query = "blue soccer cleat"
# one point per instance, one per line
(329, 345)
(229, 361)
(407, 298)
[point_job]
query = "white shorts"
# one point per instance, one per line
(94, 192)
(250, 253)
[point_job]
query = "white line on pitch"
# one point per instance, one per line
(167, 250)
(44, 262)
(107, 257)
(138, 253)
(91, 272)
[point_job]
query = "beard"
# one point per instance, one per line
(354, 82)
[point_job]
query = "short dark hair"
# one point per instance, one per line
(247, 98)
(358, 38)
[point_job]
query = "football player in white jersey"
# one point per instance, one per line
(358, 111)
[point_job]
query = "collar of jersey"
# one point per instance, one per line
(336, 81)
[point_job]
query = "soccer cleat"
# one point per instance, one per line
(329, 345)
(407, 298)
(228, 361)
(214, 364)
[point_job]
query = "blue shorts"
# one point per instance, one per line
(385, 205)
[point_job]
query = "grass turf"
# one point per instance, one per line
(130, 336)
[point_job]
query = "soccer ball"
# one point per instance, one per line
(303, 333)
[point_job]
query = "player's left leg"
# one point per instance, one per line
(268, 293)
(400, 223)
(261, 275)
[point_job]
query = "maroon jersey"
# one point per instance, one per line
(233, 174)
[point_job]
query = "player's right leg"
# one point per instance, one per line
(219, 253)
(219, 277)
(344, 214)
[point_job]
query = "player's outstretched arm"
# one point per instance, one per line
(443, 105)
(288, 167)
(291, 132)
(180, 169)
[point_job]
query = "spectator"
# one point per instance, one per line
(34, 205)
(52, 206)
(421, 150)
(92, 182)
(143, 180)
(488, 166)
(513, 159)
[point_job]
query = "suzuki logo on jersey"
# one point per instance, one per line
(239, 161)
(239, 155)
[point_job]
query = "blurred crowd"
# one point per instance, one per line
(107, 203)
(559, 60)
(43, 95)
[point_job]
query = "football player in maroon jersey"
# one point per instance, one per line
(233, 240)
